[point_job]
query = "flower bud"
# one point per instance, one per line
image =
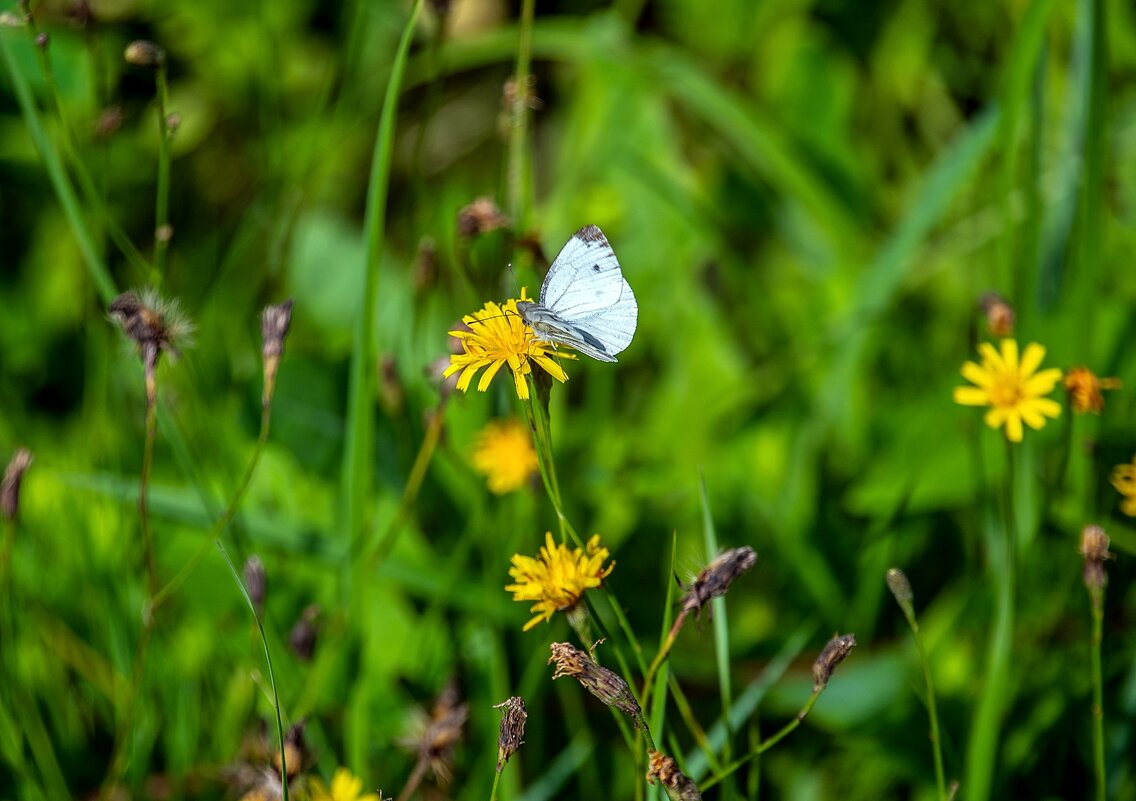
(512, 735)
(901, 588)
(256, 582)
(999, 314)
(10, 488)
(604, 684)
(274, 324)
(1094, 549)
(833, 654)
(715, 579)
(144, 53)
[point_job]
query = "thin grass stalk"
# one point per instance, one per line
(496, 781)
(82, 175)
(360, 433)
(162, 230)
(268, 661)
(983, 748)
(58, 177)
(933, 716)
(413, 485)
(721, 631)
(775, 738)
(223, 521)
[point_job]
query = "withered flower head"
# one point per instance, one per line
(999, 314)
(434, 735)
(512, 735)
(144, 53)
(274, 324)
(833, 654)
(716, 577)
(42, 40)
(153, 324)
(10, 488)
(305, 632)
(664, 770)
(1094, 549)
(604, 684)
(1084, 388)
(480, 217)
(256, 582)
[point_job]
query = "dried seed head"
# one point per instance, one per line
(1084, 389)
(999, 314)
(304, 634)
(149, 320)
(109, 121)
(833, 654)
(10, 488)
(295, 750)
(434, 735)
(274, 324)
(512, 735)
(256, 582)
(480, 217)
(1094, 549)
(716, 577)
(901, 588)
(144, 53)
(173, 122)
(605, 685)
(42, 40)
(426, 266)
(664, 770)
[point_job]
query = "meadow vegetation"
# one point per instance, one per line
(296, 506)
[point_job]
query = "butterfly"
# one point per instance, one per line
(585, 302)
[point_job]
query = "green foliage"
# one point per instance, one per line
(808, 200)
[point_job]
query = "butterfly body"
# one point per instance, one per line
(585, 302)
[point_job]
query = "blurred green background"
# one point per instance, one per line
(808, 199)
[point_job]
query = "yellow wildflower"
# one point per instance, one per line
(496, 336)
(1124, 479)
(1084, 388)
(505, 455)
(558, 578)
(1012, 389)
(344, 787)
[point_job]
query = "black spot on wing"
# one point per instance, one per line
(595, 268)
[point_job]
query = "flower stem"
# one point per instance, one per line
(162, 200)
(773, 739)
(496, 781)
(1097, 599)
(932, 710)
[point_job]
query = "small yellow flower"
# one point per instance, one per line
(558, 578)
(504, 454)
(1124, 479)
(1084, 389)
(1012, 389)
(497, 336)
(344, 787)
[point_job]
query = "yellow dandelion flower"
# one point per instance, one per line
(1124, 479)
(1012, 388)
(498, 336)
(504, 454)
(344, 787)
(1084, 388)
(558, 577)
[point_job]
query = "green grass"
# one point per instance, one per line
(808, 201)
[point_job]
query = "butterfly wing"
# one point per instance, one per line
(586, 290)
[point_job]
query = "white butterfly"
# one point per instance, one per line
(585, 302)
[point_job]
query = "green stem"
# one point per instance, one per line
(57, 175)
(983, 748)
(1097, 599)
(496, 781)
(932, 710)
(162, 230)
(780, 735)
(226, 517)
